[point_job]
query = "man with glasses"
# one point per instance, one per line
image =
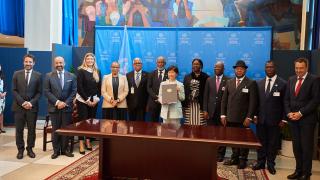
(138, 94)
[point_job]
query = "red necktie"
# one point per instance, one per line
(298, 87)
(238, 82)
(217, 83)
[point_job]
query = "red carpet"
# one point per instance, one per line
(86, 168)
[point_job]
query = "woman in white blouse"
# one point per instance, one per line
(172, 113)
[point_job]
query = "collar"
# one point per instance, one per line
(304, 77)
(272, 79)
(59, 71)
(241, 79)
(220, 77)
(135, 72)
(30, 71)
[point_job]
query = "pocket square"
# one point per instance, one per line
(69, 80)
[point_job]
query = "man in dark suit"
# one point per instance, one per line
(213, 92)
(301, 102)
(238, 106)
(154, 80)
(60, 87)
(26, 88)
(138, 94)
(270, 116)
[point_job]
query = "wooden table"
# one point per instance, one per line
(148, 150)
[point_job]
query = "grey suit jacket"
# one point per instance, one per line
(21, 92)
(212, 98)
(54, 92)
(237, 104)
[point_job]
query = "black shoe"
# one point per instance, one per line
(304, 177)
(295, 175)
(20, 155)
(220, 159)
(242, 165)
(231, 162)
(30, 153)
(89, 148)
(82, 152)
(68, 154)
(272, 170)
(2, 131)
(258, 166)
(54, 156)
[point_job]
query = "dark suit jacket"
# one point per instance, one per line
(236, 104)
(154, 86)
(307, 100)
(212, 98)
(140, 97)
(53, 90)
(271, 108)
(22, 93)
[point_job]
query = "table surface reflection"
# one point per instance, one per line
(113, 128)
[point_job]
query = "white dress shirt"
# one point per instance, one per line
(273, 79)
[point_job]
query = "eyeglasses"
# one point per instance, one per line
(115, 67)
(137, 63)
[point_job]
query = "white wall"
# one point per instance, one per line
(43, 24)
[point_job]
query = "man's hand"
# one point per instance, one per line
(246, 122)
(27, 105)
(255, 120)
(61, 105)
(224, 121)
(296, 116)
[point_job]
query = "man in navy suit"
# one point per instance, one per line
(60, 87)
(301, 102)
(26, 90)
(270, 115)
(138, 94)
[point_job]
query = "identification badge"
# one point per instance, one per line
(132, 90)
(223, 88)
(276, 94)
(245, 90)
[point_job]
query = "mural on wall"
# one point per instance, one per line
(283, 15)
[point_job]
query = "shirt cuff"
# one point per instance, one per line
(223, 116)
(249, 118)
(300, 113)
(57, 103)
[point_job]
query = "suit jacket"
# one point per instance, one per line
(107, 91)
(22, 92)
(212, 98)
(271, 106)
(54, 92)
(237, 104)
(140, 97)
(172, 111)
(307, 100)
(153, 87)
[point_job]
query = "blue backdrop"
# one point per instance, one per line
(181, 45)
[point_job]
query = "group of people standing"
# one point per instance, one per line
(202, 100)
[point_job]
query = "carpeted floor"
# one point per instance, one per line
(86, 168)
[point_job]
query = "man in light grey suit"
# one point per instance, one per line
(60, 87)
(213, 92)
(26, 90)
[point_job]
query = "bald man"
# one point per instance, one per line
(60, 87)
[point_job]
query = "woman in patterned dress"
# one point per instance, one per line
(194, 84)
(2, 99)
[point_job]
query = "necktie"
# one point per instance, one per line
(137, 79)
(27, 77)
(268, 86)
(61, 79)
(217, 83)
(160, 75)
(238, 83)
(298, 87)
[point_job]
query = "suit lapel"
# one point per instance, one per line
(293, 85)
(55, 76)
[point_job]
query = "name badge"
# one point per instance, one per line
(245, 90)
(132, 90)
(223, 88)
(276, 94)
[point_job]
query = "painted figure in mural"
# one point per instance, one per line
(138, 14)
(182, 12)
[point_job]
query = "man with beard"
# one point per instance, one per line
(238, 107)
(154, 80)
(270, 115)
(26, 89)
(60, 87)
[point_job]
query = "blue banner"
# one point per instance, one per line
(180, 45)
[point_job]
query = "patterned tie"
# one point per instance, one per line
(268, 86)
(61, 79)
(238, 83)
(160, 75)
(217, 83)
(137, 81)
(298, 87)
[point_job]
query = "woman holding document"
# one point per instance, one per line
(171, 93)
